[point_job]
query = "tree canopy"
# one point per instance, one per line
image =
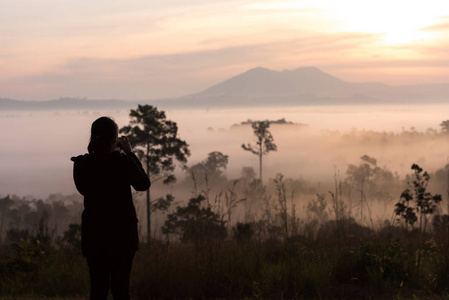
(156, 142)
(212, 167)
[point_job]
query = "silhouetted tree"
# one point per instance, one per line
(264, 142)
(415, 200)
(72, 237)
(248, 174)
(370, 179)
(195, 222)
(445, 126)
(156, 142)
(212, 167)
(319, 207)
(163, 203)
(5, 204)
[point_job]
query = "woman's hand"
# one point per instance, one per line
(124, 144)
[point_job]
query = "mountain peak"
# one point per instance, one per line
(305, 69)
(259, 69)
(265, 82)
(313, 72)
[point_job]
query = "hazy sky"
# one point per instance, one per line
(145, 49)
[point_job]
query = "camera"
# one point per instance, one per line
(120, 142)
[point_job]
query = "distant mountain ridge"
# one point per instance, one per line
(264, 82)
(311, 86)
(312, 81)
(264, 87)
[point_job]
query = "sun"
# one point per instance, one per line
(396, 22)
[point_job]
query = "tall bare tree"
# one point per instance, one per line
(264, 142)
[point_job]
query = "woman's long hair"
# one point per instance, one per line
(103, 135)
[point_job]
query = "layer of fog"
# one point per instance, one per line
(37, 146)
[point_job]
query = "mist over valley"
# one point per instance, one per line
(38, 145)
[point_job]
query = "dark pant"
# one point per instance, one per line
(113, 270)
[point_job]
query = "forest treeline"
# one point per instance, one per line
(368, 234)
(367, 193)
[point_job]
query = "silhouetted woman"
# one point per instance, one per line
(109, 222)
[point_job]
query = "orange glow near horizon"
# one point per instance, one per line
(168, 45)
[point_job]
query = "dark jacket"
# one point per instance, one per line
(109, 221)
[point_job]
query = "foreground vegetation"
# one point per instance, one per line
(344, 261)
(328, 251)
